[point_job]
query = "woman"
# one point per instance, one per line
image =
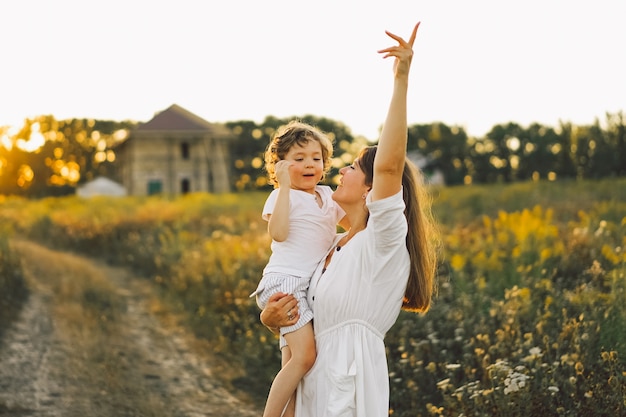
(385, 262)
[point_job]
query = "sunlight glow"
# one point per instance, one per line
(34, 142)
(513, 144)
(5, 141)
(25, 176)
(257, 163)
(100, 157)
(120, 135)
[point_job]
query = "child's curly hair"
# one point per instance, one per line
(286, 136)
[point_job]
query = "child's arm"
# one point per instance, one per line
(278, 224)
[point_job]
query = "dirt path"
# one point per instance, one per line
(92, 340)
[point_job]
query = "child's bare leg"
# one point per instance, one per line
(302, 348)
(290, 411)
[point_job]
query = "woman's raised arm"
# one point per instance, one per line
(391, 152)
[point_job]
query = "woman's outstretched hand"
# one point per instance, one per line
(403, 52)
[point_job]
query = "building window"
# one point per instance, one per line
(155, 187)
(184, 150)
(185, 186)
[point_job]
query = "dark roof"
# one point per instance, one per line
(176, 118)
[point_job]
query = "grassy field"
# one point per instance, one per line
(530, 318)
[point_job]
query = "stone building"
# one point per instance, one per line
(175, 153)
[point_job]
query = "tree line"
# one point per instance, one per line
(49, 157)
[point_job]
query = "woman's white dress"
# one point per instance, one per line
(355, 302)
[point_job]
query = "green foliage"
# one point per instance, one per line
(530, 321)
(530, 318)
(49, 157)
(77, 150)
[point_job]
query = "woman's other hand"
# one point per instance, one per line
(281, 311)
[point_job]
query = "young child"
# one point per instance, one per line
(302, 219)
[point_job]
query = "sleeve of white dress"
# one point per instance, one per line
(387, 224)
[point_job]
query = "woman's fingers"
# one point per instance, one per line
(287, 308)
(402, 44)
(280, 298)
(414, 34)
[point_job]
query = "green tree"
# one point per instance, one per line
(446, 147)
(48, 157)
(565, 162)
(616, 131)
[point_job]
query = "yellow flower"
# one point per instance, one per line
(579, 368)
(457, 262)
(481, 283)
(610, 255)
(545, 254)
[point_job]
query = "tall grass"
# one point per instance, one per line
(13, 290)
(530, 314)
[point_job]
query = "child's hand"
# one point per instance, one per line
(282, 173)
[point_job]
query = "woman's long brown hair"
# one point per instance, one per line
(422, 240)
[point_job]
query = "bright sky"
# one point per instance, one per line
(477, 63)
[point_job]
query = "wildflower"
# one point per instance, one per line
(433, 409)
(579, 367)
(443, 383)
(588, 394)
(457, 262)
(481, 283)
(601, 227)
(511, 386)
(545, 254)
(458, 333)
(453, 366)
(514, 382)
(553, 389)
(535, 353)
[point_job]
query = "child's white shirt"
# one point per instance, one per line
(312, 231)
